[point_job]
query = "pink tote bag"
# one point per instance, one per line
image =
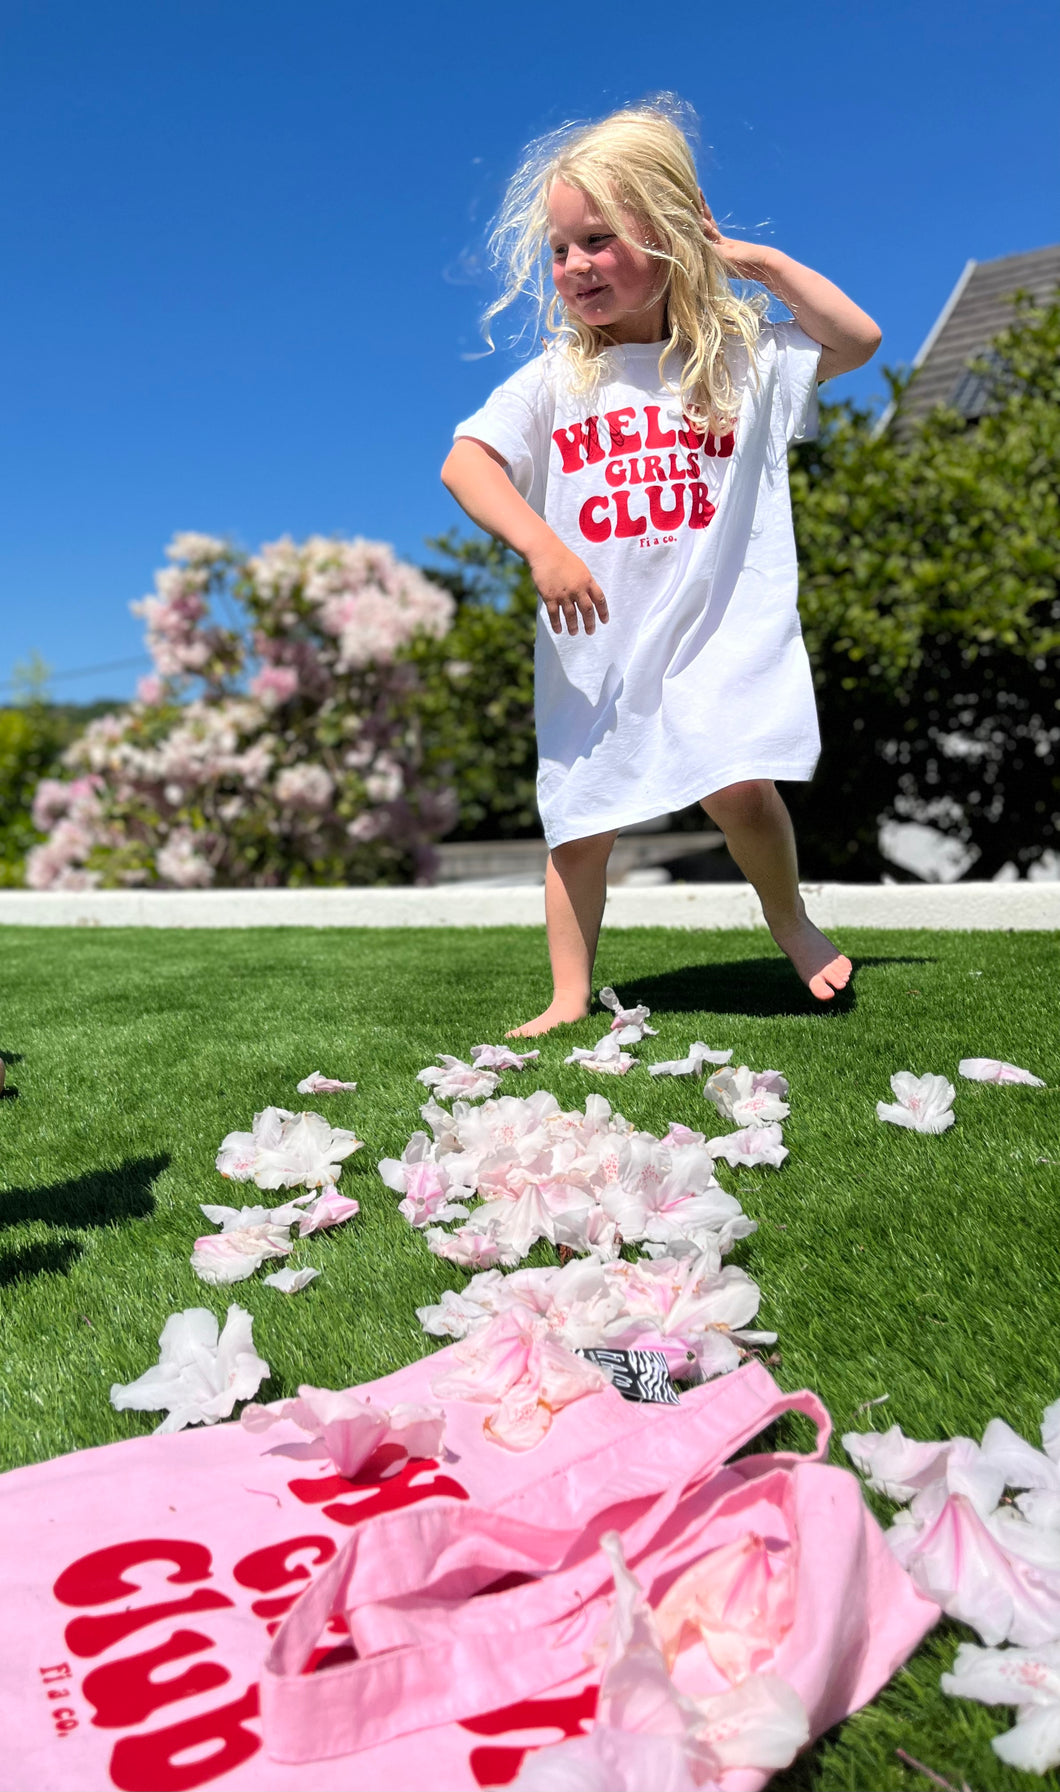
(448, 1609)
(147, 1582)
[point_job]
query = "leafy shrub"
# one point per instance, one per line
(930, 597)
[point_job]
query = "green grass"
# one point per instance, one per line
(921, 1267)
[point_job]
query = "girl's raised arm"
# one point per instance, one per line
(478, 479)
(848, 335)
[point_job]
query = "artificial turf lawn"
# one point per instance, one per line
(925, 1268)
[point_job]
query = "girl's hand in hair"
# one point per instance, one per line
(746, 259)
(567, 588)
(848, 335)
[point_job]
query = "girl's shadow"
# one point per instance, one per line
(762, 987)
(8, 1092)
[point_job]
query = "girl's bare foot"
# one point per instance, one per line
(557, 1014)
(821, 967)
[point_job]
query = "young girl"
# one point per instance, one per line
(640, 467)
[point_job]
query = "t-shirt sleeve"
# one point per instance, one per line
(515, 421)
(798, 358)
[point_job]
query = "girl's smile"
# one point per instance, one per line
(606, 282)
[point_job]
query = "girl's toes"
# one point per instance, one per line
(835, 976)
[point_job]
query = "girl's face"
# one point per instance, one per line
(601, 279)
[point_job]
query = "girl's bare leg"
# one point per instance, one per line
(759, 835)
(575, 888)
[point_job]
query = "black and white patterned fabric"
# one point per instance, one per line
(637, 1374)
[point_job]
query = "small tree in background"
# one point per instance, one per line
(476, 697)
(310, 771)
(930, 597)
(34, 734)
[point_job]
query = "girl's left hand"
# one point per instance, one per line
(746, 259)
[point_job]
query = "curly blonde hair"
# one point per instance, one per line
(635, 163)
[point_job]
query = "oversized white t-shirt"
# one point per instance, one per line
(700, 678)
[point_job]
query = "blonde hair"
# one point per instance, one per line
(636, 161)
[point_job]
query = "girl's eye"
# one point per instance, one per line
(598, 239)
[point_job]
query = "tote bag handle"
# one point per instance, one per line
(370, 1701)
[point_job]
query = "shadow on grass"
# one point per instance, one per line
(51, 1259)
(756, 986)
(98, 1198)
(8, 1093)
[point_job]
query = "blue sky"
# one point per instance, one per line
(241, 241)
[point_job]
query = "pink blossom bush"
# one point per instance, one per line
(281, 750)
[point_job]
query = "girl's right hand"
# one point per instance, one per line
(567, 589)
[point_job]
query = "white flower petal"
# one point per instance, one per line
(995, 1070)
(290, 1281)
(925, 1103)
(220, 1258)
(500, 1057)
(755, 1145)
(452, 1077)
(606, 1057)
(698, 1055)
(199, 1376)
(286, 1149)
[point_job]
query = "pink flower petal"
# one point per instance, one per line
(329, 1209)
(500, 1057)
(318, 1084)
(995, 1070)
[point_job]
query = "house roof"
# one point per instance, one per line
(977, 308)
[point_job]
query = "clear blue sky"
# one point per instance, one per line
(240, 240)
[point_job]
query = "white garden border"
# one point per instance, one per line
(1019, 907)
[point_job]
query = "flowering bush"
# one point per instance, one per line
(282, 750)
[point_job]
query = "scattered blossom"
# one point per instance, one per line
(629, 1024)
(232, 1256)
(424, 1184)
(199, 1376)
(329, 1209)
(924, 1104)
(348, 1430)
(750, 1097)
(756, 1145)
(995, 1070)
(606, 1057)
(692, 1065)
(290, 1281)
(500, 1057)
(1026, 1678)
(470, 1248)
(648, 1731)
(585, 1180)
(285, 1149)
(690, 1309)
(451, 1076)
(516, 1368)
(318, 1084)
(991, 1563)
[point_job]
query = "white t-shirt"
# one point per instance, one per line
(700, 678)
